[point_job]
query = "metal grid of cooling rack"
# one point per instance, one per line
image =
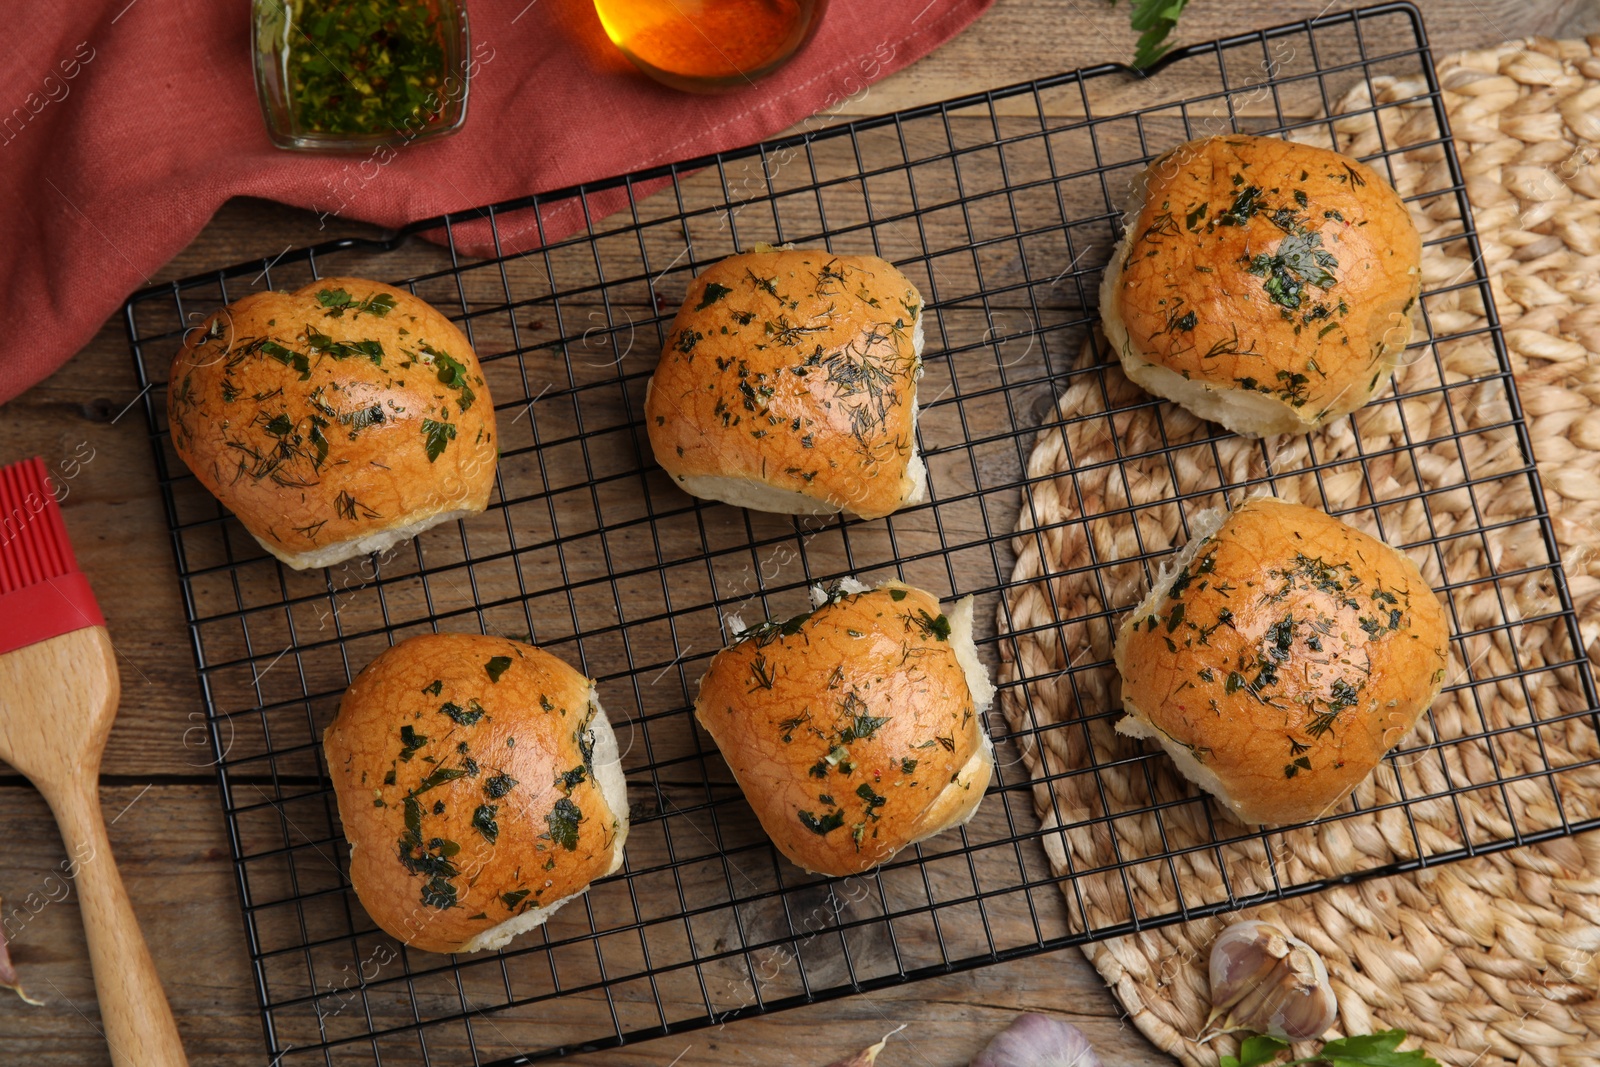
(1001, 207)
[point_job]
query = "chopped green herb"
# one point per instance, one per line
(563, 822)
(365, 68)
(498, 786)
(497, 666)
(1244, 207)
(437, 436)
(932, 626)
(337, 301)
(410, 741)
(451, 373)
(713, 293)
(464, 716)
(831, 821)
(483, 821)
(865, 792)
(439, 776)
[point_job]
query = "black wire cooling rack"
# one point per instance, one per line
(1001, 207)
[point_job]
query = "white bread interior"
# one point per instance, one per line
(409, 526)
(608, 775)
(973, 777)
(1135, 723)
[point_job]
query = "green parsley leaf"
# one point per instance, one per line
(1255, 1051)
(411, 741)
(496, 667)
(714, 292)
(511, 900)
(463, 716)
(438, 893)
(451, 373)
(440, 776)
(1374, 1050)
(831, 821)
(498, 786)
(563, 822)
(1154, 19)
(437, 435)
(483, 822)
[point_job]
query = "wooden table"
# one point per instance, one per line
(160, 795)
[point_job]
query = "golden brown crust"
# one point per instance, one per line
(1287, 656)
(467, 800)
(318, 422)
(1264, 265)
(848, 728)
(796, 370)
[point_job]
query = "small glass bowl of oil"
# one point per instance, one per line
(708, 46)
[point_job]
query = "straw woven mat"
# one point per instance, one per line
(1488, 961)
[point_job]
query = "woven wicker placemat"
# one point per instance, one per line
(1488, 961)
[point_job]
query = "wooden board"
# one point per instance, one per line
(171, 840)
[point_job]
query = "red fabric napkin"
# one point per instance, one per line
(131, 122)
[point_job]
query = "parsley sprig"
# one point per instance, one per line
(1364, 1050)
(1153, 19)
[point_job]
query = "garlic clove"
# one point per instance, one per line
(8, 974)
(1034, 1040)
(868, 1056)
(1269, 982)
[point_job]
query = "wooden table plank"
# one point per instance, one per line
(171, 840)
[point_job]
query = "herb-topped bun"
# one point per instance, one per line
(1279, 656)
(854, 730)
(480, 789)
(334, 421)
(1262, 284)
(788, 383)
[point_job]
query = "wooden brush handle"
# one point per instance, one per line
(138, 1023)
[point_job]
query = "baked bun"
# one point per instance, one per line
(480, 789)
(1279, 656)
(788, 383)
(1262, 284)
(854, 730)
(335, 420)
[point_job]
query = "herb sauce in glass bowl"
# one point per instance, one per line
(344, 75)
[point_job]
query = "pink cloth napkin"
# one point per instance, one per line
(125, 125)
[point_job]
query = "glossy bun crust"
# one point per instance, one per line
(477, 782)
(1279, 659)
(854, 731)
(788, 383)
(335, 420)
(1262, 284)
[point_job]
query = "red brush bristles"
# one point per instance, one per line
(42, 592)
(33, 539)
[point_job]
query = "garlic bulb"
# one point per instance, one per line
(1266, 981)
(1034, 1040)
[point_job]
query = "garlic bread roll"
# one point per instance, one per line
(788, 383)
(480, 788)
(1279, 656)
(334, 421)
(1262, 284)
(856, 729)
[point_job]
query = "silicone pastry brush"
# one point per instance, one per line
(58, 695)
